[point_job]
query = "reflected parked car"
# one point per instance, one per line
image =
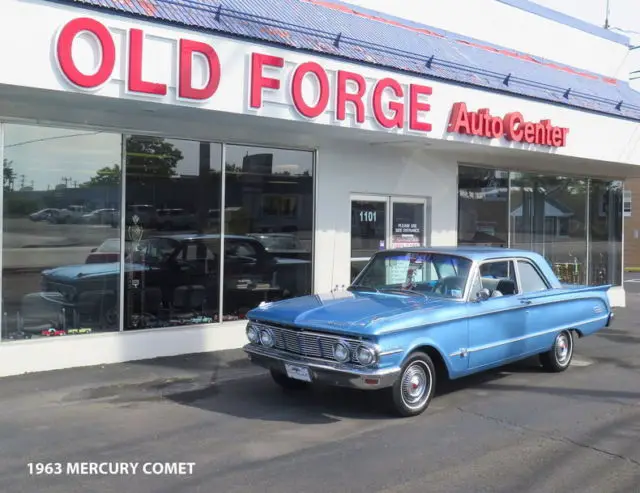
(167, 265)
(108, 251)
(414, 316)
(43, 215)
(100, 216)
(283, 245)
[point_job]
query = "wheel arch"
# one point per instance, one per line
(436, 355)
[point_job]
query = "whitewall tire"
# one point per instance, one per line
(559, 357)
(412, 392)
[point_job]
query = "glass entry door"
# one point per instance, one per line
(369, 229)
(379, 222)
(408, 224)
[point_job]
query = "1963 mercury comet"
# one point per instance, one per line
(414, 315)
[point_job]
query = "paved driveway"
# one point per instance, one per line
(513, 430)
(632, 282)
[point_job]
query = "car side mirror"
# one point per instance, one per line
(94, 250)
(483, 295)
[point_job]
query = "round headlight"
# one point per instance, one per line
(266, 338)
(341, 352)
(253, 334)
(366, 355)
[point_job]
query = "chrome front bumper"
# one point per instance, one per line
(324, 372)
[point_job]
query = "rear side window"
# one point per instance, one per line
(530, 280)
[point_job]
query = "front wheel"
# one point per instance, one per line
(288, 383)
(412, 391)
(559, 357)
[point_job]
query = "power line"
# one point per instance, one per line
(51, 138)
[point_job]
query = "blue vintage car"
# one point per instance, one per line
(414, 316)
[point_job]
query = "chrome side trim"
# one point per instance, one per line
(391, 351)
(477, 315)
(529, 336)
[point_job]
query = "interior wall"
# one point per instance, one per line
(362, 168)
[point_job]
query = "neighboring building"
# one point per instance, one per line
(170, 165)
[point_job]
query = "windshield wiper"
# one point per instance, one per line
(362, 288)
(400, 290)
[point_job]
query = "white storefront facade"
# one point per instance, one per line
(161, 180)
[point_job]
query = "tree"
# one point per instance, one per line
(107, 176)
(8, 175)
(151, 157)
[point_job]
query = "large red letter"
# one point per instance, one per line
(513, 126)
(344, 97)
(186, 90)
(323, 88)
(459, 119)
(64, 52)
(258, 81)
(135, 82)
(398, 108)
(415, 105)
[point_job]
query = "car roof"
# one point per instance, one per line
(475, 253)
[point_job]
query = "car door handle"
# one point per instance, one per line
(526, 302)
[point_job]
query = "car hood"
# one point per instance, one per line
(353, 313)
(87, 271)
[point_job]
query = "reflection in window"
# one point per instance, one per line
(268, 227)
(606, 232)
(549, 216)
(531, 280)
(61, 240)
(173, 190)
(483, 203)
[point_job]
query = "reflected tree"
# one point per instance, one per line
(151, 157)
(107, 176)
(8, 175)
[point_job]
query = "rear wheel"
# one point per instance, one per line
(287, 383)
(559, 357)
(413, 390)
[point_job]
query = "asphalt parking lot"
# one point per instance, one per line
(632, 282)
(514, 429)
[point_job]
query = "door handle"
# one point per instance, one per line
(526, 302)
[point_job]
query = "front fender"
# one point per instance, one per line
(398, 358)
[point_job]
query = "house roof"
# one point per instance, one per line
(334, 28)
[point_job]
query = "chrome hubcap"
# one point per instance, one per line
(416, 384)
(563, 348)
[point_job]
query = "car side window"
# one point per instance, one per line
(499, 278)
(530, 278)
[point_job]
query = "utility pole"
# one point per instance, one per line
(606, 19)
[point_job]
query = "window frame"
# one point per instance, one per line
(545, 281)
(513, 261)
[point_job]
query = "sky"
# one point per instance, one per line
(624, 18)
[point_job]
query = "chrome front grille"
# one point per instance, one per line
(311, 344)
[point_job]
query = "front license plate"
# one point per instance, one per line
(298, 372)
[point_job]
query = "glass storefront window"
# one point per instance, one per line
(606, 232)
(61, 195)
(483, 206)
(172, 218)
(549, 216)
(575, 222)
(268, 216)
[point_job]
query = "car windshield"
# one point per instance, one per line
(419, 273)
